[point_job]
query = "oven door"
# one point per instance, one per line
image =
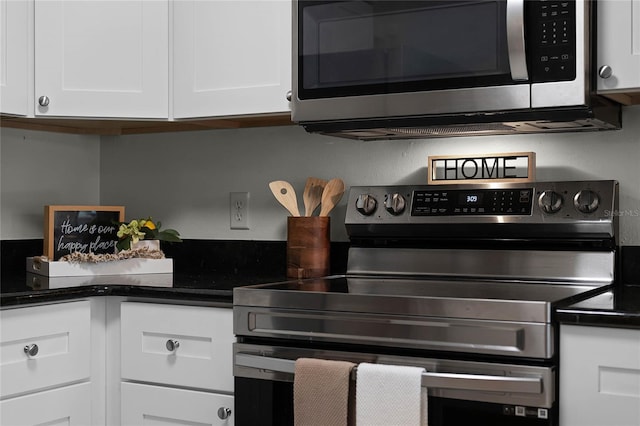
(460, 392)
(386, 58)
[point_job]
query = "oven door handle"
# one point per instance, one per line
(468, 382)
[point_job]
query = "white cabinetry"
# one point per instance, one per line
(14, 56)
(599, 376)
(102, 58)
(167, 404)
(70, 405)
(176, 364)
(619, 46)
(231, 57)
(46, 363)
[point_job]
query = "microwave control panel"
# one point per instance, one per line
(551, 41)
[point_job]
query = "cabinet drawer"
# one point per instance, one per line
(70, 405)
(599, 376)
(202, 339)
(158, 405)
(62, 337)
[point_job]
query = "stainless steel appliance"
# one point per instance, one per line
(460, 279)
(403, 69)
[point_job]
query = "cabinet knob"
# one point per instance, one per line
(31, 350)
(43, 101)
(224, 413)
(605, 71)
(172, 345)
(289, 95)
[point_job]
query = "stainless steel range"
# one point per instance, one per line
(460, 279)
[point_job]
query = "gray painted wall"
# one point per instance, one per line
(184, 179)
(39, 168)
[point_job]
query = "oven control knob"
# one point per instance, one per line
(395, 203)
(550, 201)
(366, 204)
(586, 201)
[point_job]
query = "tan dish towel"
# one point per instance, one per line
(321, 392)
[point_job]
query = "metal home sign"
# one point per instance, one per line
(502, 167)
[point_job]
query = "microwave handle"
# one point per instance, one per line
(469, 382)
(515, 40)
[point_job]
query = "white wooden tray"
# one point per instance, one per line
(117, 267)
(40, 282)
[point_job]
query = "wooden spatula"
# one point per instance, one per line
(286, 195)
(331, 195)
(312, 194)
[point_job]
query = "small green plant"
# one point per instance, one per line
(143, 229)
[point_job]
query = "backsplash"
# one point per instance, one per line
(262, 261)
(185, 179)
(259, 261)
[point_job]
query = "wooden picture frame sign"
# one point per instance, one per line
(482, 168)
(84, 229)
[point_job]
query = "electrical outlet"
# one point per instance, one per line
(239, 210)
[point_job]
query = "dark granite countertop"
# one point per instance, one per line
(28, 288)
(204, 271)
(208, 271)
(617, 307)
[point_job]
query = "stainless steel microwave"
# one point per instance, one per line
(419, 68)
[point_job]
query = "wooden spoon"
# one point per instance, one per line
(286, 195)
(312, 194)
(331, 195)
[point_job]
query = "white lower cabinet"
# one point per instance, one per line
(70, 405)
(176, 364)
(45, 364)
(156, 405)
(599, 376)
(109, 361)
(44, 346)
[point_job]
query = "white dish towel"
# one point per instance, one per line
(390, 395)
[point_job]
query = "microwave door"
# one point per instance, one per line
(367, 60)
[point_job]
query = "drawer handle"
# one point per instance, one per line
(31, 350)
(172, 345)
(224, 413)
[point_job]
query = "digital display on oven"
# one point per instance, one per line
(471, 198)
(472, 202)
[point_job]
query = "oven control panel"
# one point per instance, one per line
(458, 202)
(585, 203)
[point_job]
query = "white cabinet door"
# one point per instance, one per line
(69, 406)
(619, 44)
(14, 56)
(599, 376)
(44, 346)
(188, 346)
(155, 405)
(102, 58)
(231, 57)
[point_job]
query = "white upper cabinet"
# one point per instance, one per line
(102, 58)
(618, 46)
(14, 56)
(231, 57)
